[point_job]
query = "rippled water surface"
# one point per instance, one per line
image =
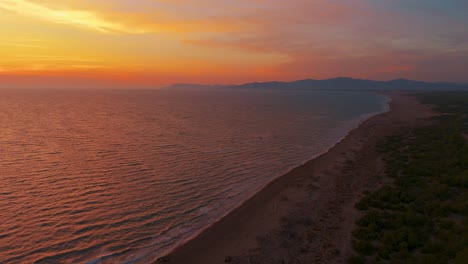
(123, 176)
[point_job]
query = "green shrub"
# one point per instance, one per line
(421, 217)
(415, 240)
(365, 234)
(432, 247)
(384, 253)
(461, 257)
(357, 260)
(364, 247)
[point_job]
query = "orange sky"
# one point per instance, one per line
(158, 42)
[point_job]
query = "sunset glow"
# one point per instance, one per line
(158, 42)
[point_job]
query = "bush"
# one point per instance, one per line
(365, 233)
(384, 253)
(364, 247)
(415, 240)
(357, 260)
(421, 217)
(461, 257)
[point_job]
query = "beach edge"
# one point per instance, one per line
(237, 233)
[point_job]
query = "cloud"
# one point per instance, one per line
(120, 16)
(77, 18)
(273, 38)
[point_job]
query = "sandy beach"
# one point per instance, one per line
(306, 215)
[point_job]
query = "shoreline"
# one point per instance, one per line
(301, 199)
(350, 126)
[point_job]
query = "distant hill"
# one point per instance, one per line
(341, 84)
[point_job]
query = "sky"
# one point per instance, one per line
(159, 42)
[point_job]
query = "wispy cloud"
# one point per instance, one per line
(13, 44)
(77, 18)
(240, 39)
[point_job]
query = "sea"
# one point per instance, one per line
(125, 176)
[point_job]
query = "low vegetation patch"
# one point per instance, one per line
(421, 216)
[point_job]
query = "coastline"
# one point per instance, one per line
(307, 213)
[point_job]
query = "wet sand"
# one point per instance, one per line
(306, 215)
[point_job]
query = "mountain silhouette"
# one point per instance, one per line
(341, 84)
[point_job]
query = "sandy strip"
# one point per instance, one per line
(306, 215)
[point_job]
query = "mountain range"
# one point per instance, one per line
(341, 84)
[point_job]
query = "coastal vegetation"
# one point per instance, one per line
(420, 216)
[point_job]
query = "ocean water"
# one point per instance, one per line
(125, 176)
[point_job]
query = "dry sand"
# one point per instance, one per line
(306, 215)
